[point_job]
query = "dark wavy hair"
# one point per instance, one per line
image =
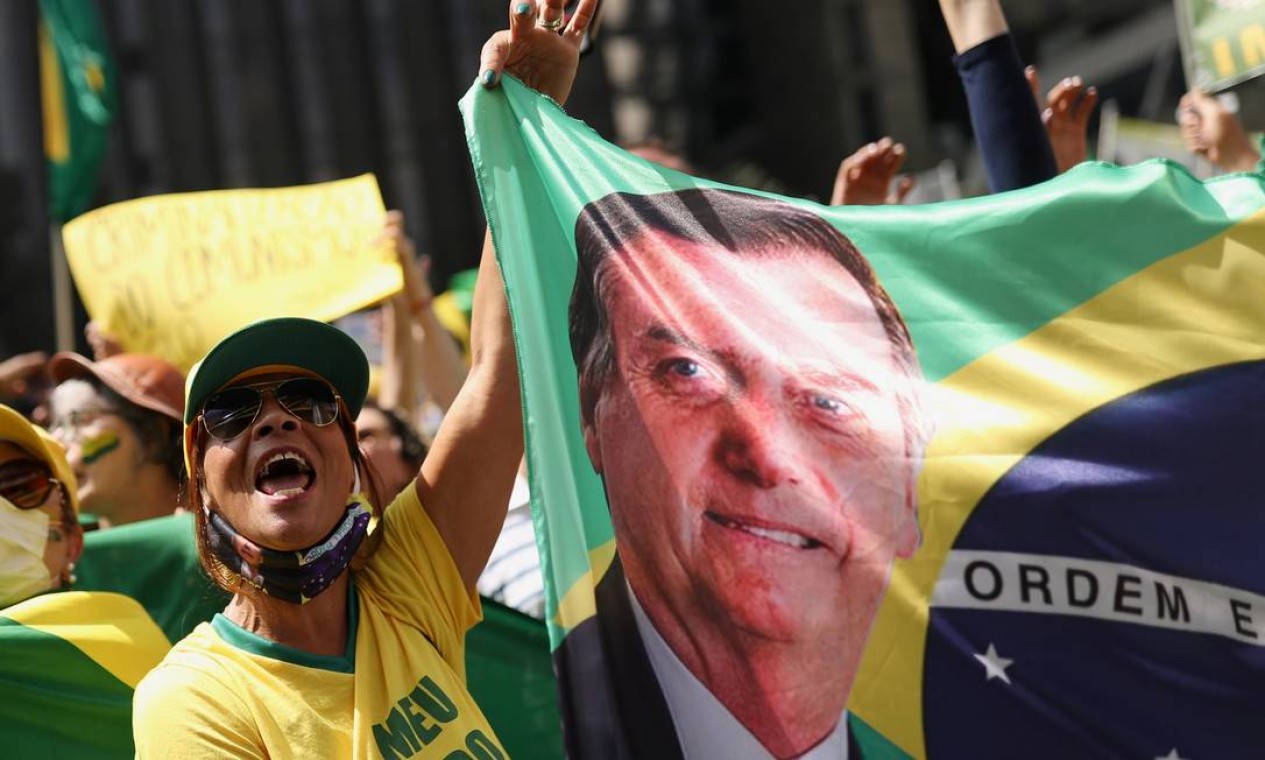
(412, 448)
(739, 224)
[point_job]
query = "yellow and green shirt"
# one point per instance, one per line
(399, 691)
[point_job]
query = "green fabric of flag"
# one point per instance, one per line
(70, 662)
(79, 94)
(510, 675)
(938, 466)
(154, 562)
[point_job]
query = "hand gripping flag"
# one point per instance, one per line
(974, 479)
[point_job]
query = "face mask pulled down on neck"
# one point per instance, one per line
(293, 576)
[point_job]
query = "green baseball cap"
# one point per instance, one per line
(314, 346)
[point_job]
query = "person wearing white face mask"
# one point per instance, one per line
(74, 655)
(40, 538)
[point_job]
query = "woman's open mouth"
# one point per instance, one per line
(286, 473)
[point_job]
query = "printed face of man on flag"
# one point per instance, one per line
(750, 397)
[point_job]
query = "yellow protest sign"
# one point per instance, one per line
(171, 274)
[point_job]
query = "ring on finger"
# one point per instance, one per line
(553, 26)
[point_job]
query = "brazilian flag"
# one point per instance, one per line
(70, 662)
(79, 92)
(973, 479)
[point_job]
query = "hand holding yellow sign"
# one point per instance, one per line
(171, 274)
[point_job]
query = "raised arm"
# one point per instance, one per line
(1007, 124)
(437, 367)
(971, 22)
(398, 372)
(466, 480)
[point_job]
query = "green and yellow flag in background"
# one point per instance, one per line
(79, 94)
(70, 663)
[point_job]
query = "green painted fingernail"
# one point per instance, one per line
(489, 78)
(522, 9)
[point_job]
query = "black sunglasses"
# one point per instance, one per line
(26, 483)
(228, 413)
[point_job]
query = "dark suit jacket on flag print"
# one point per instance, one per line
(1088, 582)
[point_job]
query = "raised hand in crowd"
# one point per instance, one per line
(1013, 144)
(972, 22)
(1212, 131)
(544, 64)
(419, 353)
(1065, 112)
(868, 176)
(23, 384)
(16, 371)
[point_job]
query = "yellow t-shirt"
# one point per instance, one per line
(225, 692)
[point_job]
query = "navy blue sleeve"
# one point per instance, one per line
(1005, 118)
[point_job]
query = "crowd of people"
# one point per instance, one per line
(315, 548)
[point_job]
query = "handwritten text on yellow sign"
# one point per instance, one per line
(172, 274)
